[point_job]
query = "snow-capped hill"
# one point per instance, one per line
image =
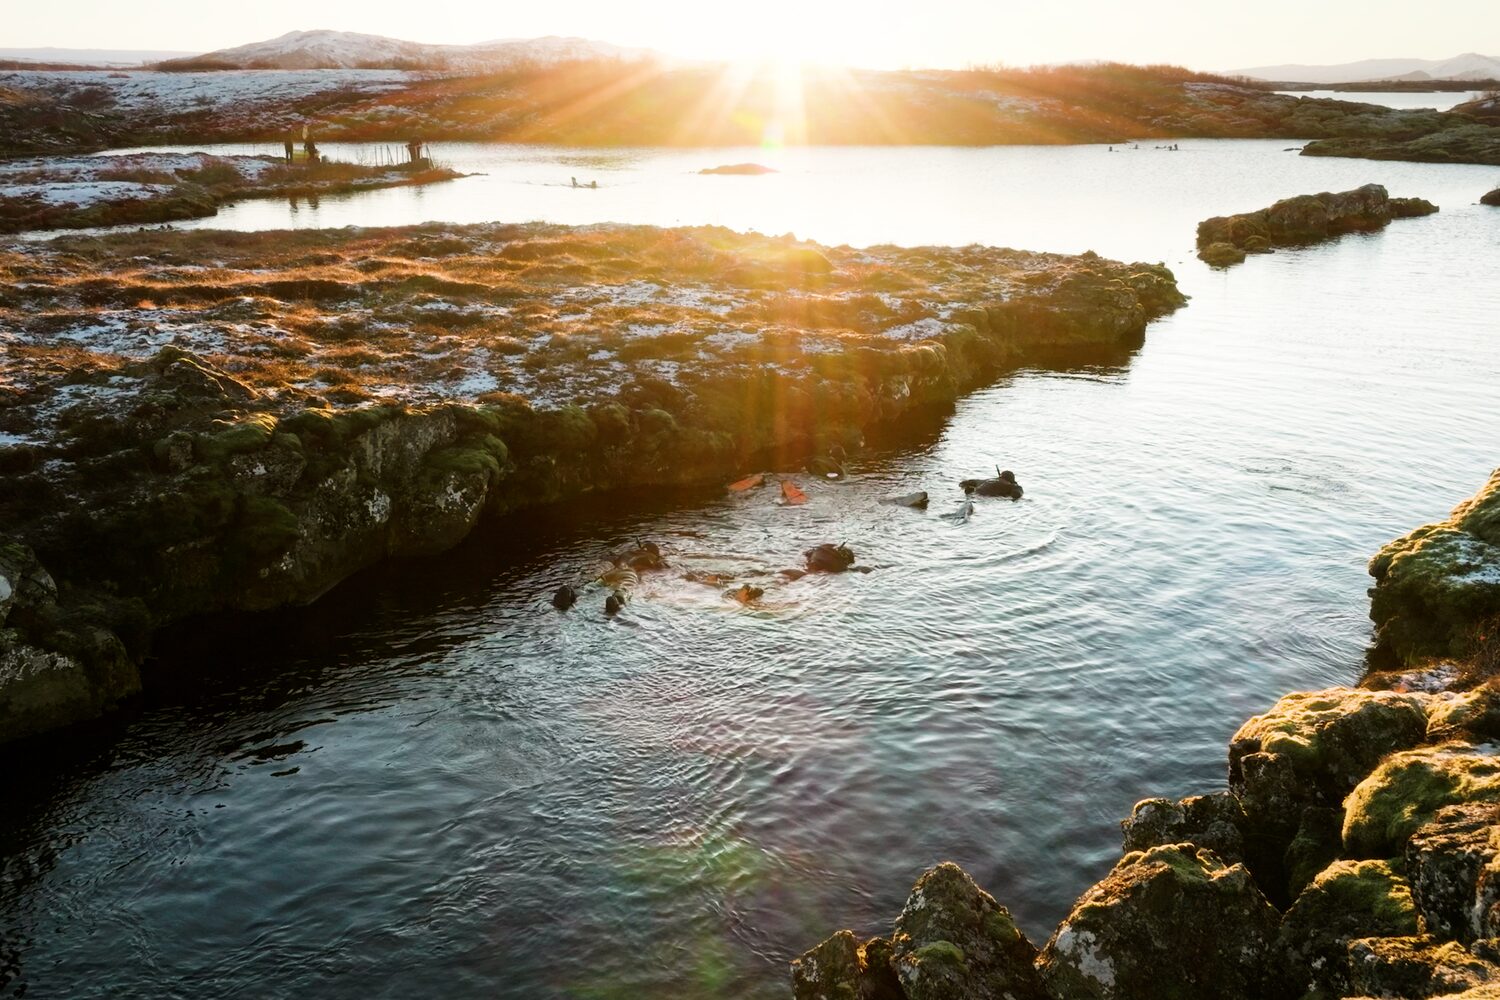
(1470, 66)
(325, 49)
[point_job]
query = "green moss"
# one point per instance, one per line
(941, 952)
(265, 527)
(483, 453)
(1001, 927)
(330, 427)
(1406, 790)
(1369, 887)
(1311, 727)
(250, 433)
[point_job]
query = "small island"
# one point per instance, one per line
(1225, 240)
(740, 170)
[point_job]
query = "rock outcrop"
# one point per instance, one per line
(1173, 921)
(1303, 220)
(1410, 787)
(1438, 585)
(1346, 901)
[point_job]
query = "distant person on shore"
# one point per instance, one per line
(290, 146)
(308, 146)
(414, 150)
(574, 180)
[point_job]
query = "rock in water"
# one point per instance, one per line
(1348, 900)
(1169, 922)
(843, 969)
(1492, 198)
(1221, 255)
(954, 942)
(564, 598)
(829, 558)
(916, 501)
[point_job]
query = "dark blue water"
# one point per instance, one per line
(433, 785)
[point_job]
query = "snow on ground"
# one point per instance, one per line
(147, 92)
(88, 180)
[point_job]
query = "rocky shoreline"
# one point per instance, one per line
(139, 188)
(1313, 218)
(193, 422)
(599, 104)
(1355, 853)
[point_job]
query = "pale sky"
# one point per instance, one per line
(1199, 33)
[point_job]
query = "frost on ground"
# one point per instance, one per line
(88, 180)
(553, 314)
(147, 93)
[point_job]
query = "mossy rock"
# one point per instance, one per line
(843, 969)
(1319, 841)
(1408, 789)
(1211, 821)
(1416, 967)
(1311, 749)
(1472, 715)
(1437, 585)
(1346, 901)
(954, 942)
(1221, 255)
(1171, 923)
(230, 438)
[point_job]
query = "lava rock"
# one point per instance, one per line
(1415, 967)
(1446, 859)
(843, 969)
(954, 942)
(1348, 900)
(1174, 921)
(1211, 821)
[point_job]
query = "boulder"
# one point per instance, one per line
(1414, 968)
(1407, 790)
(1346, 901)
(1411, 208)
(1221, 255)
(1446, 859)
(843, 969)
(954, 942)
(1172, 922)
(1435, 586)
(1311, 749)
(1211, 821)
(1492, 198)
(1469, 715)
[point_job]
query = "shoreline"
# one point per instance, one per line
(1351, 855)
(162, 475)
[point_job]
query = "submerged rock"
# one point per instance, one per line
(954, 942)
(1435, 586)
(1346, 901)
(1210, 821)
(1408, 789)
(1415, 967)
(1173, 921)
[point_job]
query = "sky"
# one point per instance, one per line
(872, 33)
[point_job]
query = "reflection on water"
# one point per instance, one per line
(1441, 100)
(434, 783)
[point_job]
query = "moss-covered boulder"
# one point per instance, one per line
(1346, 901)
(841, 968)
(1221, 255)
(1472, 715)
(954, 942)
(1171, 923)
(1211, 821)
(1416, 967)
(1311, 749)
(1436, 585)
(1446, 859)
(1407, 790)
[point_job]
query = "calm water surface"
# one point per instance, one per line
(1438, 100)
(433, 785)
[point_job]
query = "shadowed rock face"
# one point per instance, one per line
(1312, 218)
(1348, 900)
(1416, 967)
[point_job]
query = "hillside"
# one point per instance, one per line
(1469, 66)
(324, 49)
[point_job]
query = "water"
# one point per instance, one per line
(1438, 100)
(432, 784)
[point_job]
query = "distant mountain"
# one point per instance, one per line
(1470, 66)
(323, 49)
(89, 57)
